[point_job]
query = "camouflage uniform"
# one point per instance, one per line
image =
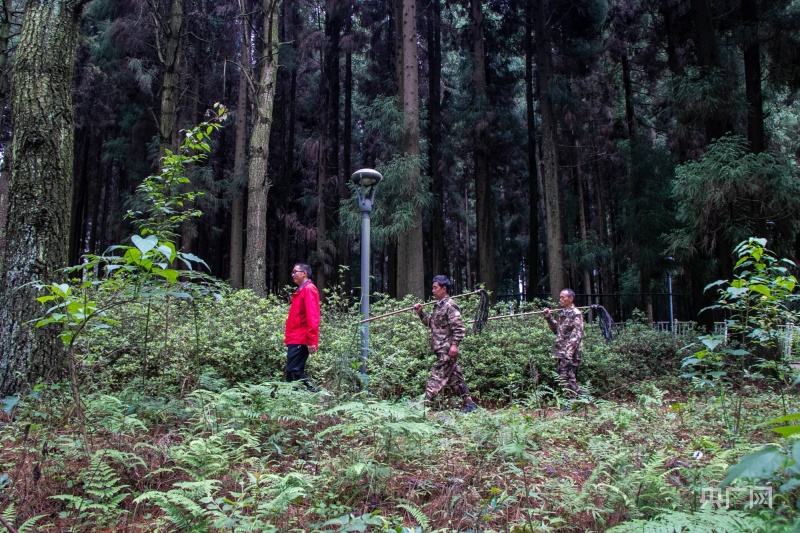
(447, 328)
(568, 349)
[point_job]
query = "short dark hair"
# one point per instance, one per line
(444, 282)
(305, 268)
(569, 292)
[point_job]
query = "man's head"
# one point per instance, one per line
(300, 273)
(566, 297)
(441, 287)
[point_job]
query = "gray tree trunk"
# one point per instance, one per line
(552, 190)
(170, 57)
(42, 120)
(255, 268)
(484, 228)
(410, 257)
(240, 161)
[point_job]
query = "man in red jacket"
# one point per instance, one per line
(302, 326)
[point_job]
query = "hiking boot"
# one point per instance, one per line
(469, 408)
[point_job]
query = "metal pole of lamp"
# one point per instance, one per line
(366, 181)
(670, 260)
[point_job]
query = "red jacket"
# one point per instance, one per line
(302, 326)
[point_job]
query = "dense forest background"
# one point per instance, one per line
(620, 147)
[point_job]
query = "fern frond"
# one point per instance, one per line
(705, 521)
(418, 514)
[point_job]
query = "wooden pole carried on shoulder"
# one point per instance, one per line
(605, 318)
(370, 319)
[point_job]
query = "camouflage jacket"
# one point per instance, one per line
(568, 327)
(446, 325)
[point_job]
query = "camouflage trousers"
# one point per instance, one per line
(447, 372)
(568, 370)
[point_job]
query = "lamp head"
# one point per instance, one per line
(366, 177)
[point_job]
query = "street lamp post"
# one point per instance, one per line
(366, 181)
(670, 260)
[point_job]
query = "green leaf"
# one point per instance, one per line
(787, 431)
(761, 289)
(8, 403)
(145, 245)
(757, 465)
(170, 274)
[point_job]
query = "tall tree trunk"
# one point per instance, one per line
(676, 67)
(255, 271)
(170, 58)
(752, 76)
(239, 163)
(552, 190)
(583, 226)
(347, 151)
(5, 34)
(532, 289)
(329, 140)
(42, 120)
(80, 187)
(484, 227)
(410, 260)
(438, 251)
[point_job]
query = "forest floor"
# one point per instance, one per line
(272, 458)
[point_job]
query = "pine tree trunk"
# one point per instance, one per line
(484, 227)
(532, 288)
(42, 120)
(438, 250)
(170, 58)
(347, 151)
(240, 159)
(410, 260)
(255, 271)
(752, 77)
(552, 189)
(5, 32)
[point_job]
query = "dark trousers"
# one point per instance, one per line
(296, 357)
(568, 371)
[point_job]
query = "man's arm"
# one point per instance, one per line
(311, 302)
(457, 329)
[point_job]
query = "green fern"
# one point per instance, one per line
(706, 521)
(9, 514)
(418, 514)
(180, 505)
(103, 494)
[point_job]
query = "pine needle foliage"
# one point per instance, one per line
(722, 197)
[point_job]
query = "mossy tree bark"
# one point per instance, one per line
(258, 184)
(42, 120)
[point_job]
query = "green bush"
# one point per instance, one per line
(238, 337)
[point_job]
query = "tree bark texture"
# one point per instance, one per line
(170, 58)
(255, 271)
(484, 227)
(532, 258)
(752, 76)
(39, 190)
(552, 190)
(240, 162)
(438, 251)
(410, 257)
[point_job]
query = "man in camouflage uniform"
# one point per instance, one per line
(447, 331)
(568, 349)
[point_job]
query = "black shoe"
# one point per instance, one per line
(469, 408)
